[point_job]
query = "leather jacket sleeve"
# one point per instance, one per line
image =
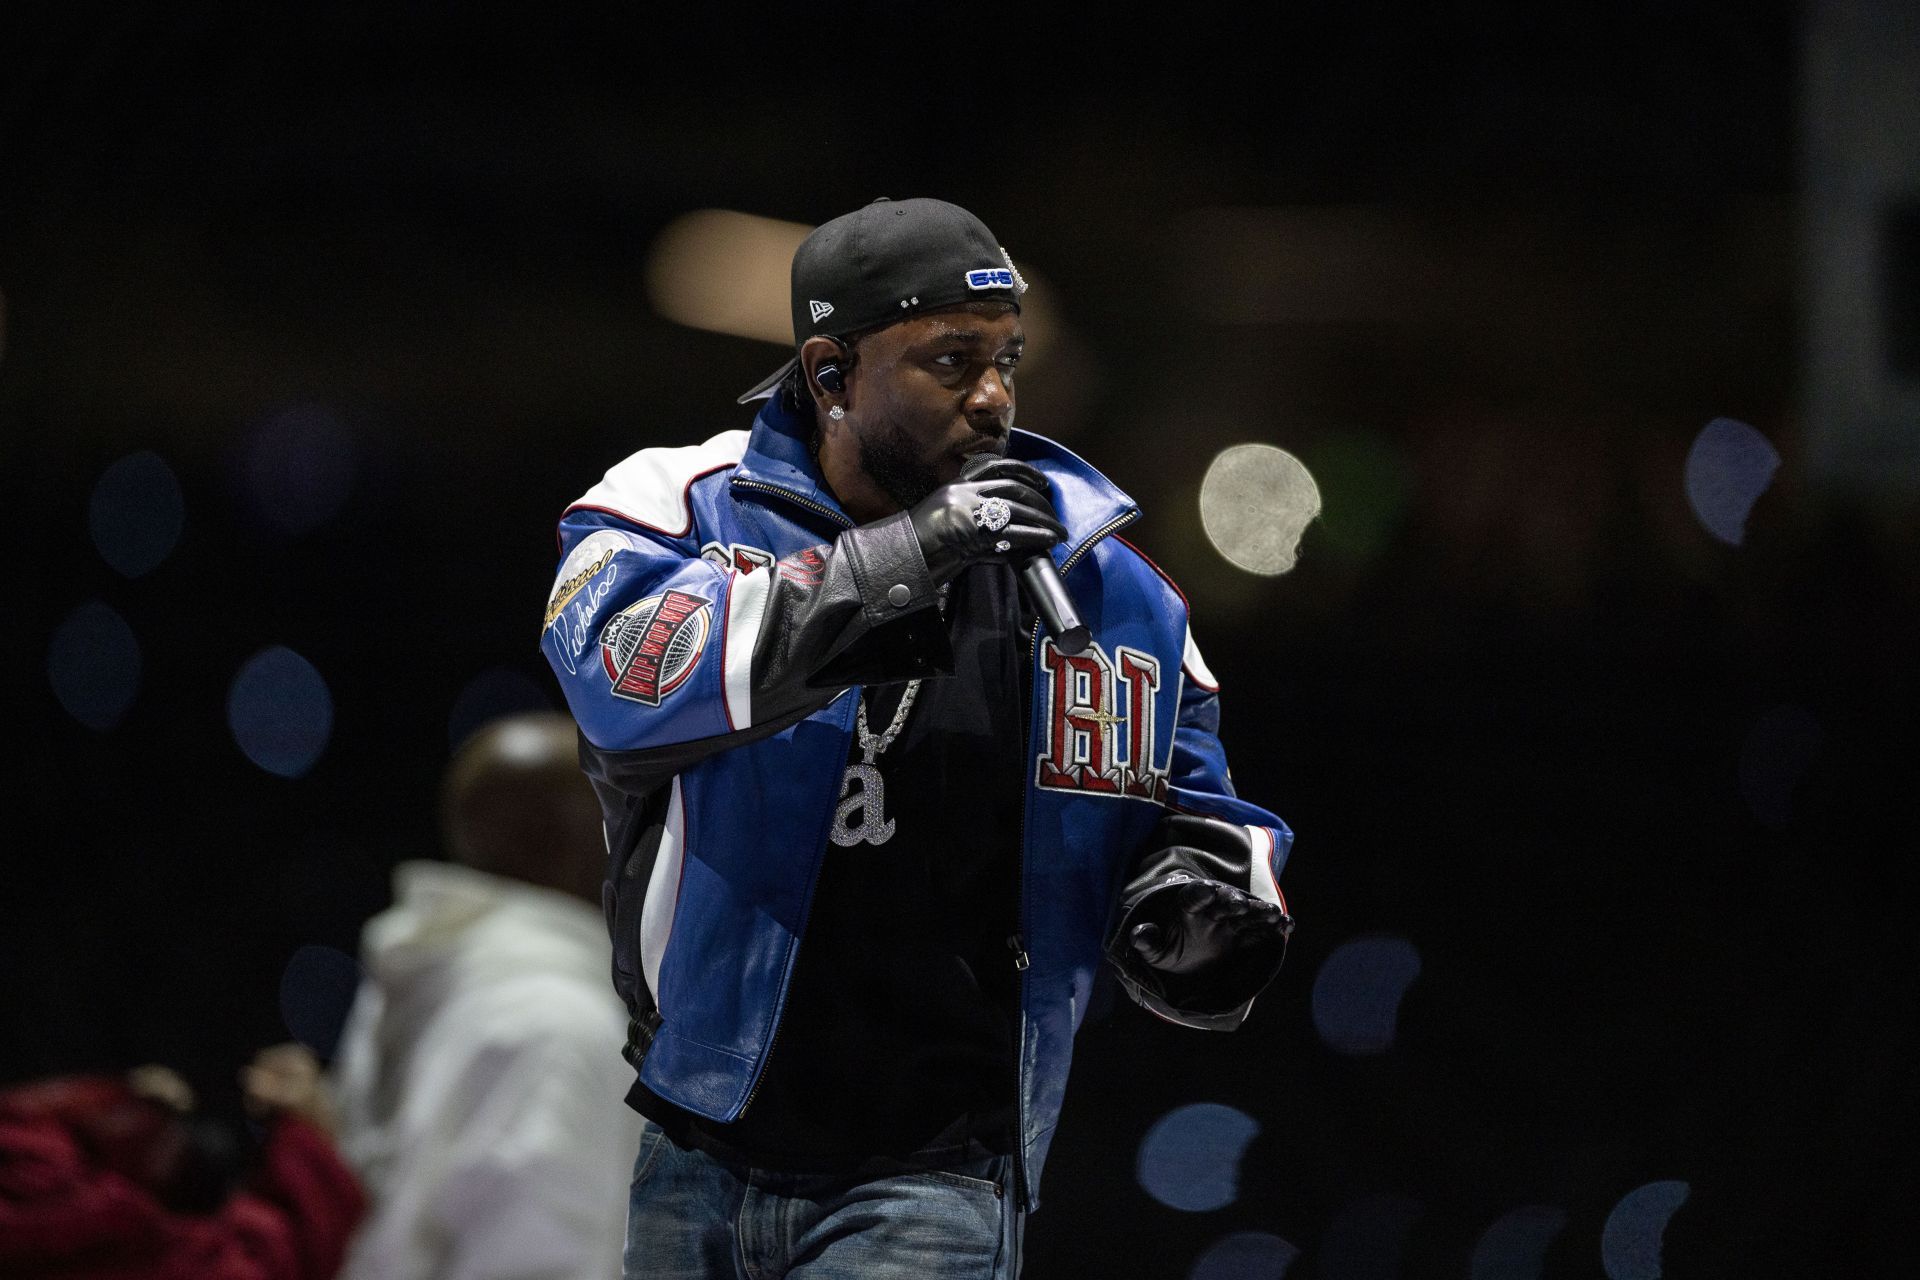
(661, 651)
(1208, 833)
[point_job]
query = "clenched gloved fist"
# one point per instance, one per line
(1209, 922)
(951, 537)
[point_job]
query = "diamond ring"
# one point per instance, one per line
(1003, 545)
(993, 514)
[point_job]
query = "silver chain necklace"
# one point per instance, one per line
(874, 826)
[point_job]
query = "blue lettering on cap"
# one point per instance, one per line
(990, 278)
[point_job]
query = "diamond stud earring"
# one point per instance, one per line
(836, 413)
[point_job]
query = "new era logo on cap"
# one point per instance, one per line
(821, 310)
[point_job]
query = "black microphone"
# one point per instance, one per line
(1048, 594)
(1041, 582)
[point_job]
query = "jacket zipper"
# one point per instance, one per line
(1124, 518)
(799, 500)
(1017, 943)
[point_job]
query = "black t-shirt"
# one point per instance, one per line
(898, 1045)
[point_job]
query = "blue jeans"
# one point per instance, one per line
(692, 1217)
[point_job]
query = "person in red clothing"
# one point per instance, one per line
(118, 1178)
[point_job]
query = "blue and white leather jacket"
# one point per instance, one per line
(712, 610)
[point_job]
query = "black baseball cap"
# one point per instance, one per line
(887, 261)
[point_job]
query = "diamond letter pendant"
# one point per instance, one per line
(874, 826)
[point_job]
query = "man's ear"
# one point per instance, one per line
(827, 364)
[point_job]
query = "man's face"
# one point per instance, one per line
(926, 392)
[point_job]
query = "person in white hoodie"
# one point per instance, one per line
(479, 1081)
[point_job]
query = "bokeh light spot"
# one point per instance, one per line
(1365, 479)
(1515, 1246)
(727, 272)
(1368, 1238)
(1245, 1255)
(1357, 993)
(93, 663)
(1729, 466)
(1255, 502)
(1190, 1158)
(298, 465)
(280, 711)
(136, 512)
(1630, 1242)
(316, 991)
(495, 692)
(1774, 759)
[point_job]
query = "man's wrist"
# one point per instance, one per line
(889, 568)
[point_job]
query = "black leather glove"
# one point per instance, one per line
(951, 539)
(1209, 922)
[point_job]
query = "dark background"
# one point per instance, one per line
(1504, 698)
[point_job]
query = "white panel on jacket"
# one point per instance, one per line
(1196, 666)
(663, 895)
(1260, 879)
(650, 487)
(746, 613)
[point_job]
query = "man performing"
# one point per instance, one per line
(874, 817)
